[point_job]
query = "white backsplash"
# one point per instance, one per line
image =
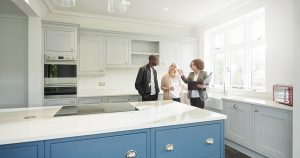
(116, 79)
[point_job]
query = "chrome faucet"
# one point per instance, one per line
(224, 88)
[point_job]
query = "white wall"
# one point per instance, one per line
(116, 80)
(279, 37)
(35, 63)
(13, 61)
(296, 111)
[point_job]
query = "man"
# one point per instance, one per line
(146, 80)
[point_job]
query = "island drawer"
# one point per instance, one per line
(203, 141)
(114, 146)
(23, 150)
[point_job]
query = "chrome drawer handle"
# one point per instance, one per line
(131, 154)
(256, 110)
(169, 147)
(210, 141)
(235, 106)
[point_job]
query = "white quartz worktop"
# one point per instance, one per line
(15, 129)
(251, 100)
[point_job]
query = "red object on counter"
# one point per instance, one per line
(283, 94)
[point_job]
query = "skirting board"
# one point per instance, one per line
(243, 150)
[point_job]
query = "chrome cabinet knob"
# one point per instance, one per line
(131, 154)
(210, 141)
(169, 147)
(235, 106)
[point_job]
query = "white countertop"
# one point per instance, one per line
(15, 129)
(256, 101)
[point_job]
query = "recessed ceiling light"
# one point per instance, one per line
(165, 9)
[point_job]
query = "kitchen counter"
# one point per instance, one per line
(41, 125)
(251, 100)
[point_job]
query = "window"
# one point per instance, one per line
(236, 51)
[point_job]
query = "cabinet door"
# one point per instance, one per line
(103, 147)
(88, 101)
(273, 132)
(60, 102)
(187, 53)
(23, 150)
(117, 51)
(60, 41)
(204, 141)
(118, 99)
(169, 54)
(92, 55)
(239, 124)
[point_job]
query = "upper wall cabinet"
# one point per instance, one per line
(141, 49)
(60, 39)
(179, 53)
(118, 51)
(92, 55)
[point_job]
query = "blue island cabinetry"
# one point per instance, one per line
(195, 140)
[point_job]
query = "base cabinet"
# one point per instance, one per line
(110, 146)
(23, 150)
(265, 130)
(273, 132)
(196, 140)
(239, 124)
(190, 142)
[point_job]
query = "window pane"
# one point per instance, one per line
(237, 34)
(258, 29)
(219, 40)
(219, 72)
(238, 68)
(258, 67)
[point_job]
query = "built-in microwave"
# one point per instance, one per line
(60, 71)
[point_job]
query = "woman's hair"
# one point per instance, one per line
(172, 67)
(198, 63)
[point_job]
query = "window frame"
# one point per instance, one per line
(248, 44)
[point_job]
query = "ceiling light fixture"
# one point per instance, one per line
(165, 9)
(118, 6)
(64, 3)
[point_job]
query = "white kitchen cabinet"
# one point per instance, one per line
(169, 54)
(118, 51)
(240, 123)
(60, 40)
(180, 53)
(91, 100)
(61, 102)
(117, 99)
(187, 53)
(92, 55)
(273, 132)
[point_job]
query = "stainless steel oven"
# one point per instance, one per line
(60, 74)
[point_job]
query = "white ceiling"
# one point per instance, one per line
(181, 12)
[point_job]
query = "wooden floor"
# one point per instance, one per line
(232, 153)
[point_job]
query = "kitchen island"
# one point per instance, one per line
(157, 129)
